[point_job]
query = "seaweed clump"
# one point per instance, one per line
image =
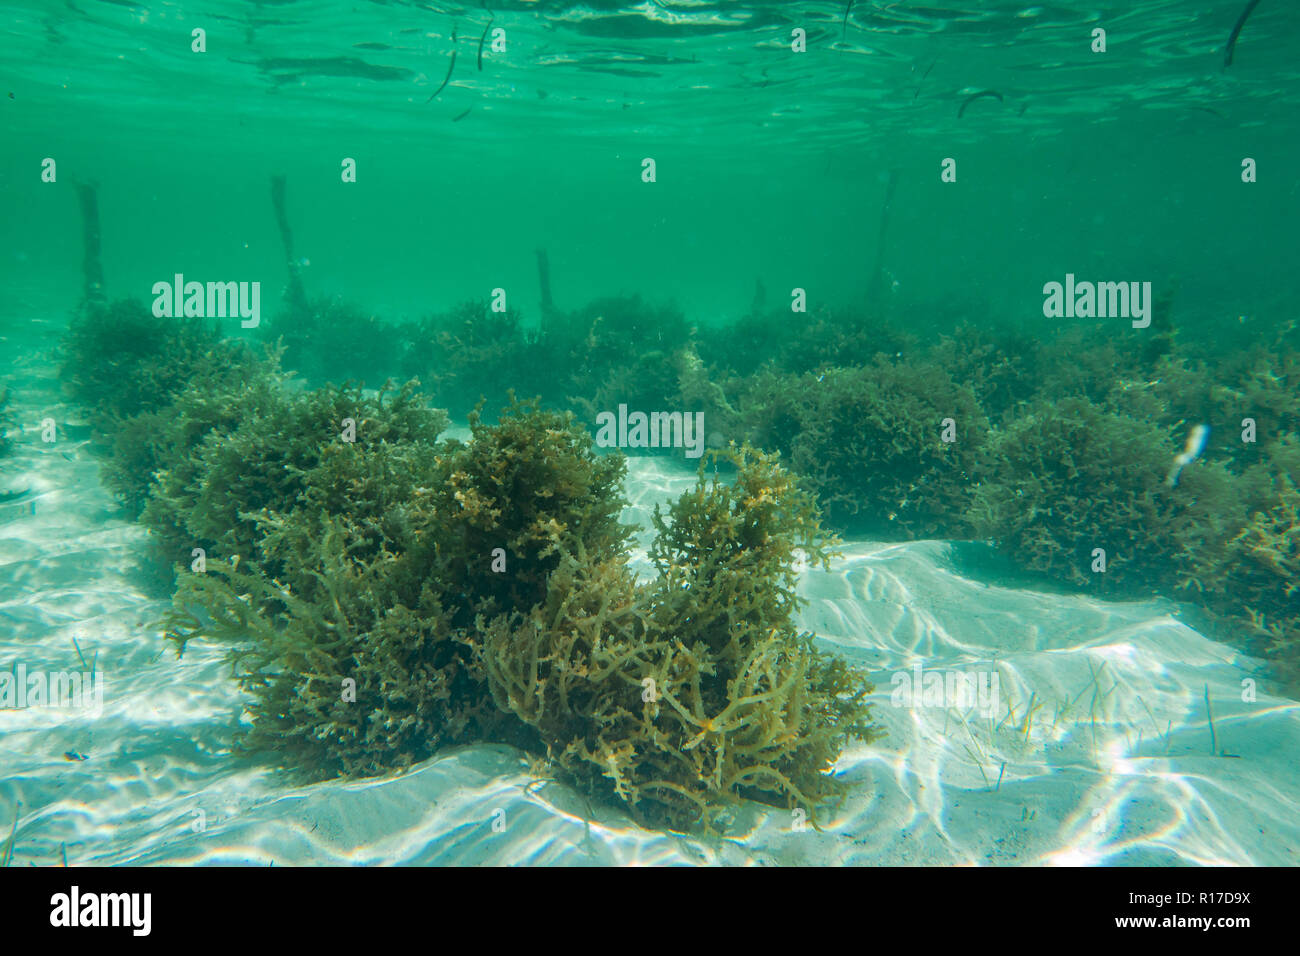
(352, 625)
(328, 339)
(616, 349)
(1252, 583)
(1069, 479)
(134, 371)
(870, 441)
(509, 503)
(388, 602)
(681, 696)
(1261, 591)
(121, 360)
(468, 353)
(273, 453)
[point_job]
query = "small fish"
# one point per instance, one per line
(923, 76)
(446, 79)
(481, 41)
(457, 119)
(450, 66)
(1196, 442)
(1236, 31)
(978, 96)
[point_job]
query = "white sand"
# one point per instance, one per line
(1114, 767)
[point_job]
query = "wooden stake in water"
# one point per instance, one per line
(544, 281)
(876, 288)
(296, 295)
(92, 267)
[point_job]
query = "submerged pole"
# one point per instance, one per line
(297, 297)
(92, 267)
(878, 271)
(544, 280)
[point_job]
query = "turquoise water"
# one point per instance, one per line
(1148, 719)
(771, 164)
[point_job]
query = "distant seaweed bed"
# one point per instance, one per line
(385, 592)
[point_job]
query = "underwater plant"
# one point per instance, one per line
(682, 696)
(1250, 390)
(350, 627)
(470, 353)
(347, 678)
(612, 351)
(120, 360)
(348, 653)
(1088, 359)
(1002, 368)
(767, 714)
(575, 359)
(795, 342)
(1069, 479)
(154, 387)
(1251, 584)
(1262, 588)
(530, 487)
(278, 456)
(330, 340)
(219, 395)
(871, 442)
(398, 601)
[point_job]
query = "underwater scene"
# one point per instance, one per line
(674, 432)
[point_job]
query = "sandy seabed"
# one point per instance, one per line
(1097, 751)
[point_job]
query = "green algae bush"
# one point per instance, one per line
(330, 340)
(1251, 583)
(611, 350)
(384, 592)
(1068, 478)
(683, 695)
(871, 443)
(467, 354)
(120, 360)
(765, 712)
(280, 453)
(153, 387)
(393, 595)
(530, 488)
